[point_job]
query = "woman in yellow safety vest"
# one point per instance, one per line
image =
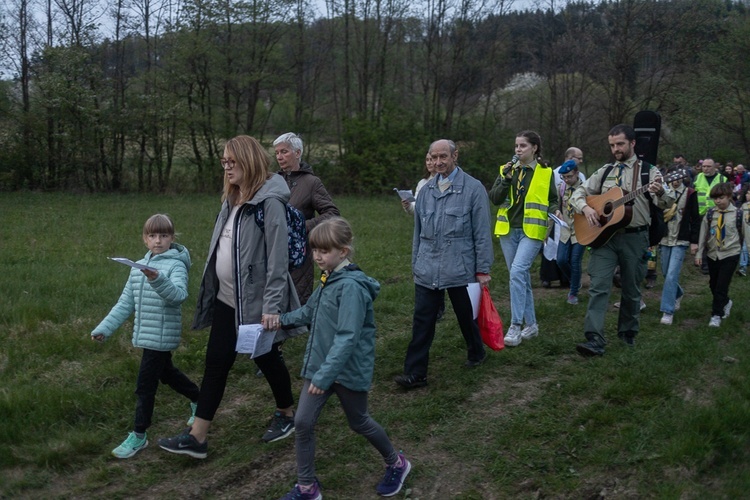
(526, 193)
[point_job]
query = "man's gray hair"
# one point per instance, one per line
(451, 145)
(291, 139)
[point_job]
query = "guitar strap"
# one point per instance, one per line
(636, 169)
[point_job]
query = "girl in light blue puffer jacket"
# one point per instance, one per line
(156, 295)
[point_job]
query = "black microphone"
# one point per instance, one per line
(513, 161)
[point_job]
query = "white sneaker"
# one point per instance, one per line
(666, 319)
(727, 308)
(513, 337)
(715, 321)
(530, 332)
(643, 305)
(677, 303)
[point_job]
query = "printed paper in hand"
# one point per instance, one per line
(254, 340)
(128, 262)
(475, 294)
(405, 194)
(558, 220)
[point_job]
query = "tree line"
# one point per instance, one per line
(139, 95)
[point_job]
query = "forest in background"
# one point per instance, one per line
(139, 95)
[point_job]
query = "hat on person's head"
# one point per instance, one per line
(568, 166)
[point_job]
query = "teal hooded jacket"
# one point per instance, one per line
(340, 316)
(157, 304)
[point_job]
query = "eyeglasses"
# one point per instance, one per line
(572, 175)
(579, 158)
(227, 163)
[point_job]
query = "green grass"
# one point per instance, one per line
(668, 419)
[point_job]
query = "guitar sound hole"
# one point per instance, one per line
(607, 209)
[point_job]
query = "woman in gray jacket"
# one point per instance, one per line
(246, 281)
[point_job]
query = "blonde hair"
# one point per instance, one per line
(159, 224)
(254, 161)
(333, 233)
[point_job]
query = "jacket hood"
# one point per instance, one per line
(275, 187)
(353, 272)
(176, 251)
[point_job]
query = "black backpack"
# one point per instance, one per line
(738, 221)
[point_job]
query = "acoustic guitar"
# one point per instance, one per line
(615, 212)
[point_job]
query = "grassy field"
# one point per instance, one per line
(668, 419)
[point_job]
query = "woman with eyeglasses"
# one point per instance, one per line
(246, 281)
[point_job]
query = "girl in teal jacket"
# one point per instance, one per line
(339, 357)
(156, 297)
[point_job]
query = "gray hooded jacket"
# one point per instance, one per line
(260, 261)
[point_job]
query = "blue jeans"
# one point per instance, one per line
(569, 258)
(743, 255)
(671, 265)
(520, 251)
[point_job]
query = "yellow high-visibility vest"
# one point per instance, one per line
(535, 207)
(703, 188)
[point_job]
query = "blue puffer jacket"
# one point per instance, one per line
(341, 347)
(157, 303)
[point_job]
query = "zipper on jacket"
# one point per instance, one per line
(236, 266)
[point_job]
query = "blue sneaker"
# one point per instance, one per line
(185, 444)
(132, 445)
(191, 420)
(394, 478)
(298, 494)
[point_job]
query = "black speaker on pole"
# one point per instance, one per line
(647, 126)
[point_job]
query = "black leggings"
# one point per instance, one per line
(220, 356)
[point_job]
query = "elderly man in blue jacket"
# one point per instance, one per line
(452, 248)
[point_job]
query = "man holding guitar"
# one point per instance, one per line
(614, 222)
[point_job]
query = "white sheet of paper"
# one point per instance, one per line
(254, 340)
(550, 246)
(475, 294)
(405, 194)
(558, 220)
(128, 262)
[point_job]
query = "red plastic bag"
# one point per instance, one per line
(490, 324)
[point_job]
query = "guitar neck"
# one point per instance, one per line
(631, 196)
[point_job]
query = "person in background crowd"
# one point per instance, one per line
(683, 228)
(429, 166)
(308, 195)
(745, 206)
(575, 154)
(722, 241)
(742, 177)
(569, 252)
(550, 270)
(703, 184)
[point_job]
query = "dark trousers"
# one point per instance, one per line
(156, 366)
(720, 274)
(426, 304)
(629, 251)
(220, 356)
(354, 404)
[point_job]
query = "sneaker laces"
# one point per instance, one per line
(392, 474)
